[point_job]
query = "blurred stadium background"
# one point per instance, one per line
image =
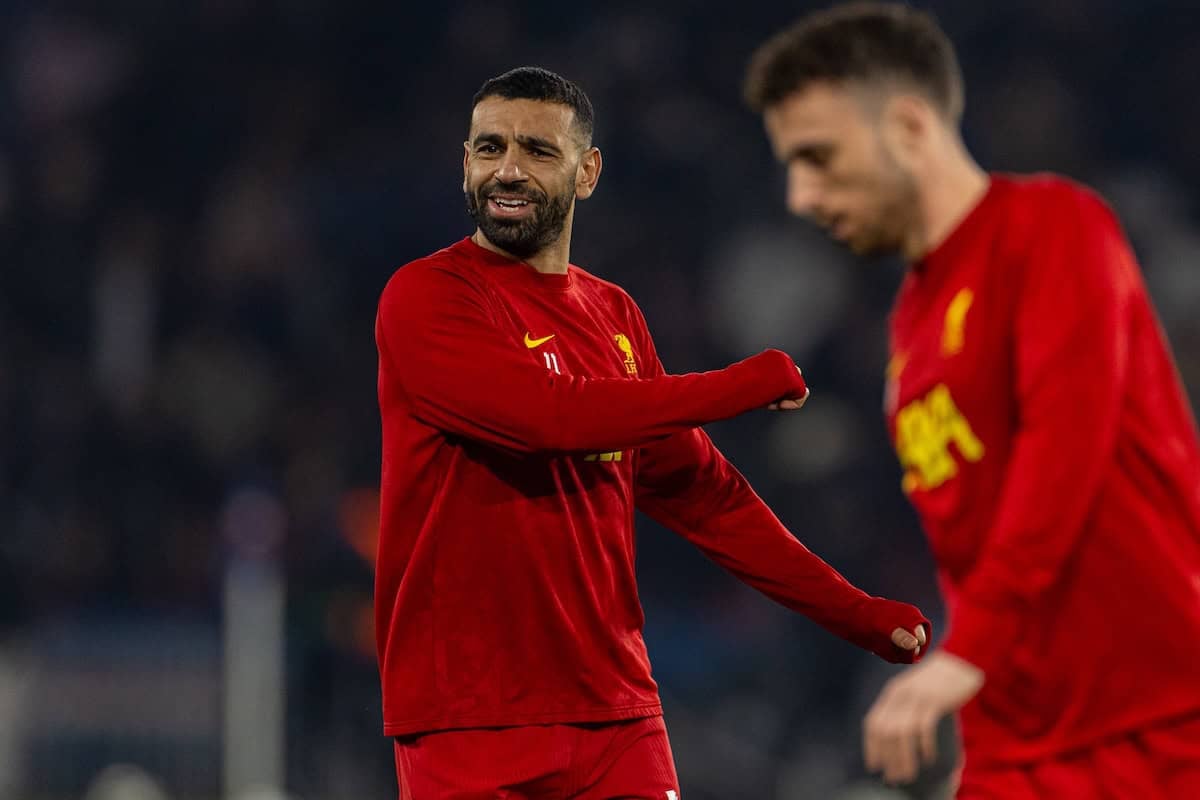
(199, 204)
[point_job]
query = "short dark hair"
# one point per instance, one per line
(536, 83)
(868, 42)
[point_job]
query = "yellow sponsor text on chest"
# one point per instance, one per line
(925, 429)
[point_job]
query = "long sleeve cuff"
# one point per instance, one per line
(887, 615)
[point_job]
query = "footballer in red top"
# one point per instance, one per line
(1042, 430)
(525, 417)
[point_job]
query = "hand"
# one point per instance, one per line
(789, 403)
(910, 641)
(902, 724)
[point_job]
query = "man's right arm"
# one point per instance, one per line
(465, 375)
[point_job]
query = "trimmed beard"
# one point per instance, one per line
(523, 237)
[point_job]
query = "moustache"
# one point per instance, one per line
(510, 193)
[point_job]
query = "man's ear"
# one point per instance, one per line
(587, 175)
(466, 162)
(906, 126)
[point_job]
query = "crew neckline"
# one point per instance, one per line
(963, 232)
(515, 269)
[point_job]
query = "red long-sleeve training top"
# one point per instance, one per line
(525, 417)
(1047, 445)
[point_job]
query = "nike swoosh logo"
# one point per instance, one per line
(531, 343)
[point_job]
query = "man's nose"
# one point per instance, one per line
(803, 193)
(511, 169)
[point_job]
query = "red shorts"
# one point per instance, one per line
(600, 761)
(1159, 763)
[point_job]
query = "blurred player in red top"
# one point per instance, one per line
(525, 416)
(1044, 436)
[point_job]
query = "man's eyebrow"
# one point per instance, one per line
(488, 138)
(538, 142)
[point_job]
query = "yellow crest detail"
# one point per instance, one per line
(627, 348)
(614, 455)
(956, 320)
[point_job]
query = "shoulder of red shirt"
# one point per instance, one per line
(1049, 192)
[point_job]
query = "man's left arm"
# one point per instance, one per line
(684, 483)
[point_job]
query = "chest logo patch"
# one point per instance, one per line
(627, 349)
(531, 342)
(955, 322)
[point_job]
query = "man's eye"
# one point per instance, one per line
(817, 158)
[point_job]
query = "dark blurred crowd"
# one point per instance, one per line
(199, 204)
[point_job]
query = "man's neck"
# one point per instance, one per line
(551, 260)
(950, 191)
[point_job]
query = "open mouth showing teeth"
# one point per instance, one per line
(506, 203)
